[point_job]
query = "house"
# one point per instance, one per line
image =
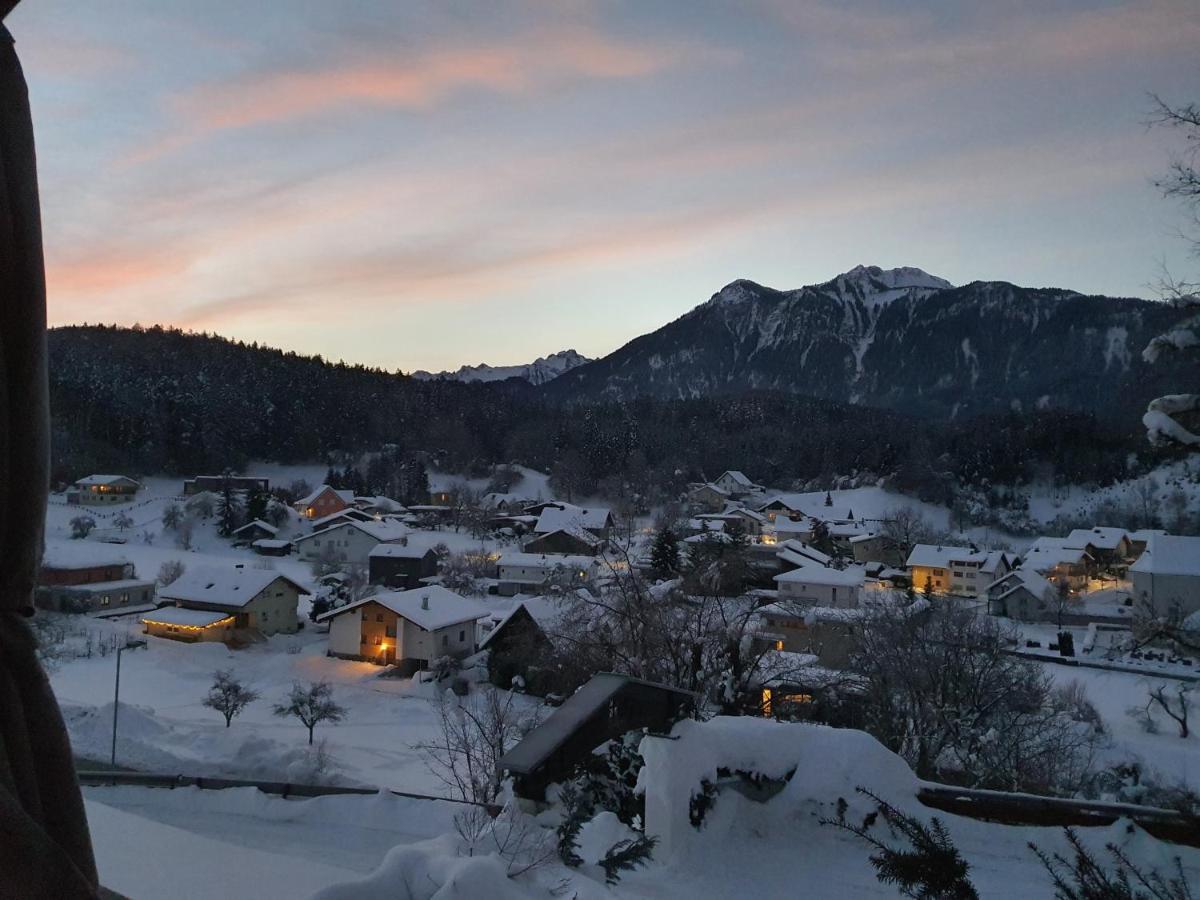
(97, 490)
(1139, 539)
(516, 641)
(570, 539)
(874, 547)
(606, 707)
(350, 541)
(1108, 546)
(399, 566)
(810, 504)
(822, 585)
(1022, 594)
(323, 501)
(191, 626)
(842, 534)
(752, 522)
(409, 629)
(737, 485)
(1167, 575)
(788, 529)
(349, 514)
(962, 571)
(526, 572)
(78, 581)
(216, 484)
(707, 498)
(558, 516)
(828, 633)
(260, 600)
(505, 503)
(1055, 562)
(443, 497)
(254, 531)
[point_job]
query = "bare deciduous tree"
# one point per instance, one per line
(471, 737)
(1176, 706)
(311, 705)
(940, 689)
(228, 696)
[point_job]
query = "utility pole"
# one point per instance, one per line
(129, 645)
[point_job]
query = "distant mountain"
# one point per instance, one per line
(901, 339)
(541, 370)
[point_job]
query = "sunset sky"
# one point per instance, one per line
(427, 184)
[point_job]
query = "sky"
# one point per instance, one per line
(419, 185)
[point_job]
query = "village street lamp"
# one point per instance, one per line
(129, 645)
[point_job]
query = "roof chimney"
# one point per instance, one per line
(424, 601)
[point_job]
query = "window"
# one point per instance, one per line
(462, 636)
(390, 631)
(366, 615)
(378, 640)
(378, 617)
(104, 600)
(364, 639)
(125, 597)
(445, 641)
(266, 615)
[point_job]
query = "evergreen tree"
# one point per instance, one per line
(828, 499)
(931, 867)
(229, 512)
(256, 505)
(664, 555)
(821, 538)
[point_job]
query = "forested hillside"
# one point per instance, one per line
(157, 400)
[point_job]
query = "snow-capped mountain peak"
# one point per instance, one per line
(902, 277)
(541, 370)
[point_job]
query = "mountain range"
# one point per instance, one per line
(540, 371)
(901, 339)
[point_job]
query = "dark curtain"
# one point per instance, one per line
(45, 850)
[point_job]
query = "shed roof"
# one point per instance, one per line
(540, 744)
(106, 479)
(565, 515)
(176, 615)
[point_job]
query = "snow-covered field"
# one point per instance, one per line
(778, 848)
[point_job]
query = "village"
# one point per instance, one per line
(159, 595)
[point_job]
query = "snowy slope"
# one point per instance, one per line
(541, 370)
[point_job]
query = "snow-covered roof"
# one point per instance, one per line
(703, 523)
(430, 607)
(579, 533)
(225, 585)
(1018, 578)
(80, 555)
(565, 515)
(799, 553)
(398, 551)
(851, 576)
(346, 496)
(942, 556)
(709, 487)
(385, 532)
(537, 746)
(192, 618)
(810, 504)
(105, 479)
(1169, 554)
(1042, 559)
(99, 587)
(541, 609)
(737, 478)
(1100, 538)
(1143, 535)
(849, 530)
(270, 544)
(265, 526)
(546, 560)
